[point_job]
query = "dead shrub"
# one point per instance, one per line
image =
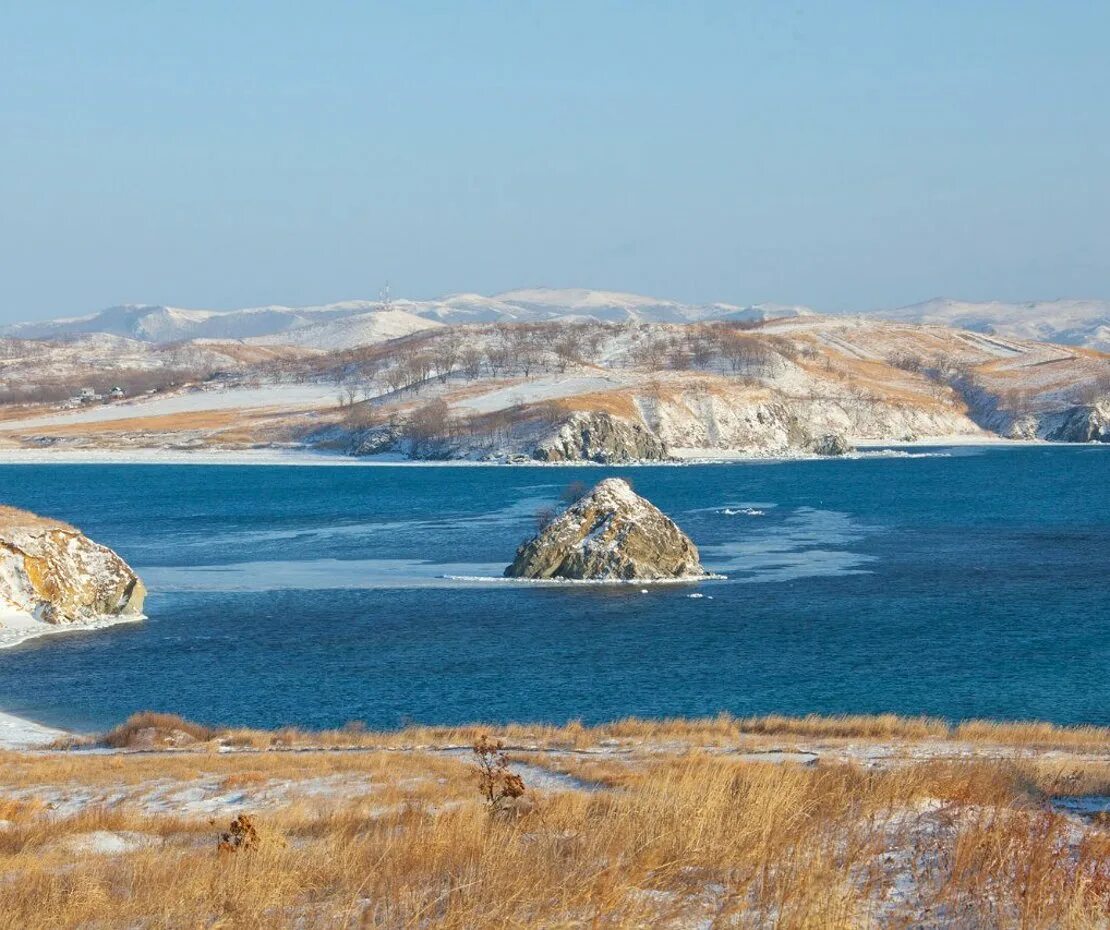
(240, 836)
(498, 785)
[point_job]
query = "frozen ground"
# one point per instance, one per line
(285, 396)
(17, 733)
(539, 389)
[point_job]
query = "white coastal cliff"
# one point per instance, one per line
(53, 577)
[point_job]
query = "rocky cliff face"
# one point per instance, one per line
(600, 437)
(52, 573)
(1082, 423)
(1079, 423)
(610, 534)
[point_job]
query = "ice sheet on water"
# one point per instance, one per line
(808, 543)
(518, 512)
(313, 575)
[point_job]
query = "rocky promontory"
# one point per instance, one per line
(51, 573)
(612, 534)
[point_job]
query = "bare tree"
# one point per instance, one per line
(470, 361)
(499, 354)
(445, 354)
(649, 353)
(568, 345)
(428, 425)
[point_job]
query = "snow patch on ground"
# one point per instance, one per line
(17, 733)
(285, 396)
(540, 389)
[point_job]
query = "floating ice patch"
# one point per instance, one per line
(520, 511)
(353, 574)
(733, 508)
(314, 575)
(902, 454)
(586, 582)
(807, 543)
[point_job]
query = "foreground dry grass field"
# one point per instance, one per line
(814, 823)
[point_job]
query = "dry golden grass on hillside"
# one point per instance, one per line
(723, 729)
(672, 824)
(685, 840)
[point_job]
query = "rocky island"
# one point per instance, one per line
(51, 574)
(609, 534)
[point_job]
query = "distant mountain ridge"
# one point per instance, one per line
(355, 322)
(358, 322)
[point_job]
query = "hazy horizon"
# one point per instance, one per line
(429, 298)
(846, 157)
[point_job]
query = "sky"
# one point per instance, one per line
(847, 155)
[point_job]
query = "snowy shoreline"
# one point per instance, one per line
(18, 626)
(20, 733)
(866, 449)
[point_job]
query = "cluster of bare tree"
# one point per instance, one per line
(22, 348)
(55, 390)
(500, 350)
(432, 427)
(709, 345)
(513, 349)
(1096, 390)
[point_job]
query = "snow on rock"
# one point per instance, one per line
(600, 437)
(609, 534)
(52, 575)
(1083, 423)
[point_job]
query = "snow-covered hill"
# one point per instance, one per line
(155, 323)
(347, 331)
(1071, 322)
(542, 304)
(358, 322)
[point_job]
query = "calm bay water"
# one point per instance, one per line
(972, 583)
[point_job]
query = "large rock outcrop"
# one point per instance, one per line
(601, 437)
(1082, 423)
(609, 534)
(831, 444)
(55, 574)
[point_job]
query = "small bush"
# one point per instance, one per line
(499, 787)
(544, 518)
(574, 492)
(240, 836)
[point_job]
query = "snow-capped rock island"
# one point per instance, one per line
(52, 577)
(610, 534)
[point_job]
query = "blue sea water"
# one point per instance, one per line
(964, 583)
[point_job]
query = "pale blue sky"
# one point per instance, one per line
(843, 155)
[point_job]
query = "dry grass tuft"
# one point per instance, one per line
(148, 729)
